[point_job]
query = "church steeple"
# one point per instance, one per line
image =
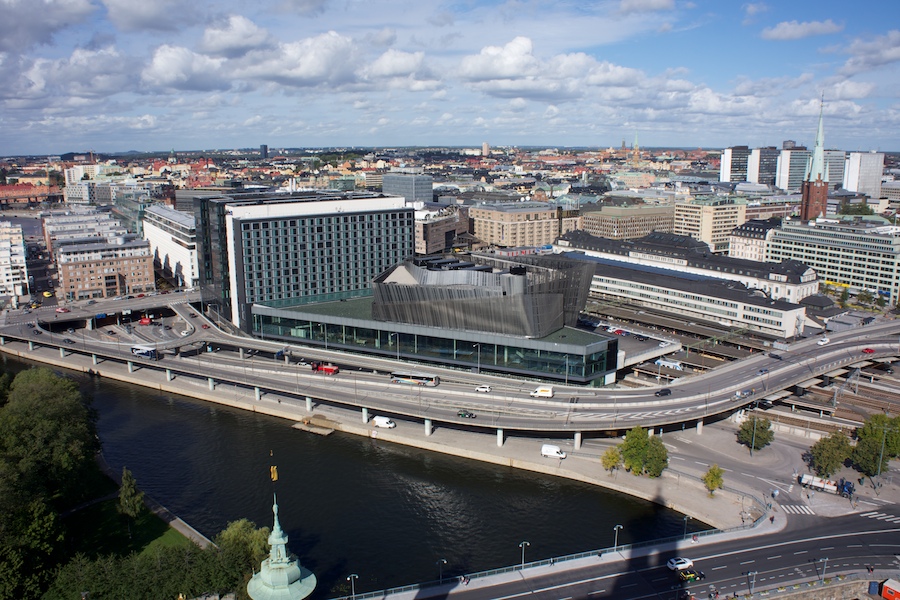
(280, 576)
(814, 189)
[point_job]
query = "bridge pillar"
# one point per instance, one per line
(308, 404)
(578, 440)
(62, 352)
(650, 432)
(30, 345)
(169, 376)
(257, 393)
(130, 367)
(211, 382)
(94, 359)
(699, 426)
(365, 415)
(2, 341)
(428, 429)
(241, 353)
(499, 438)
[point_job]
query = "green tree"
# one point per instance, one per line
(829, 453)
(865, 297)
(242, 547)
(611, 459)
(856, 209)
(880, 302)
(657, 457)
(713, 478)
(755, 433)
(47, 435)
(634, 450)
(131, 500)
(845, 297)
(878, 441)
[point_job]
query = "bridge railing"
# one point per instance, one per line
(694, 536)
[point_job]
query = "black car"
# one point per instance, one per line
(36, 332)
(68, 341)
(465, 414)
(775, 356)
(663, 392)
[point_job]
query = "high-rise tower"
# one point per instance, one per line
(814, 190)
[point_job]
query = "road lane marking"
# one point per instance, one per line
(776, 556)
(748, 562)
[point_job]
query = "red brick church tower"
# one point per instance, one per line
(814, 191)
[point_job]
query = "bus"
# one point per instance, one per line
(415, 378)
(145, 351)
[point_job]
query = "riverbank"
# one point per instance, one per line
(677, 491)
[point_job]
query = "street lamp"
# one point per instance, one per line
(352, 579)
(824, 566)
(440, 563)
(523, 545)
(478, 368)
(752, 581)
(397, 335)
(324, 334)
(686, 519)
(753, 438)
(616, 529)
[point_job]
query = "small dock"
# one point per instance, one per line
(316, 424)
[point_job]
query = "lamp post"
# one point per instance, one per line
(397, 335)
(686, 519)
(567, 369)
(478, 368)
(824, 566)
(752, 581)
(440, 563)
(324, 334)
(523, 545)
(753, 437)
(616, 529)
(352, 579)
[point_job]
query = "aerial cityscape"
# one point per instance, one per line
(299, 299)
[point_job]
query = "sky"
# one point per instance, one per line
(154, 75)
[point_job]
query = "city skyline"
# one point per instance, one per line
(114, 75)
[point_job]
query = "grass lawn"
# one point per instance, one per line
(99, 530)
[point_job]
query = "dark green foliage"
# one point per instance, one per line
(829, 453)
(856, 209)
(131, 501)
(643, 454)
(756, 433)
(878, 442)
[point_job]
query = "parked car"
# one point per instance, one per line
(679, 563)
(465, 414)
(485, 389)
(663, 392)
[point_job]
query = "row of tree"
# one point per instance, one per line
(877, 442)
(48, 442)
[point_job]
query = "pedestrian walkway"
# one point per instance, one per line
(797, 509)
(881, 516)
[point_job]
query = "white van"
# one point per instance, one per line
(383, 422)
(551, 451)
(542, 392)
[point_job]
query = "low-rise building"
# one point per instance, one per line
(123, 265)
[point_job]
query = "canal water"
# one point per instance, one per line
(354, 505)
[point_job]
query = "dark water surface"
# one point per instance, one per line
(351, 504)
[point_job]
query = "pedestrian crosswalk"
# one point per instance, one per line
(881, 516)
(797, 509)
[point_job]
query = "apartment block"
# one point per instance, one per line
(710, 220)
(105, 269)
(173, 240)
(514, 224)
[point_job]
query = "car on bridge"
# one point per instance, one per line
(485, 389)
(663, 392)
(689, 575)
(679, 563)
(823, 341)
(868, 351)
(466, 414)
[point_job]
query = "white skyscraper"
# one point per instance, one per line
(863, 173)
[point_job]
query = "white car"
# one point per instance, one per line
(679, 564)
(823, 341)
(483, 388)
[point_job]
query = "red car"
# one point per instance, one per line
(205, 326)
(868, 351)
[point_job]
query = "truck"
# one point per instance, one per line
(843, 487)
(552, 451)
(383, 422)
(544, 391)
(326, 368)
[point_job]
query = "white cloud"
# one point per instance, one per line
(794, 30)
(233, 37)
(327, 58)
(173, 67)
(395, 63)
(850, 90)
(26, 23)
(639, 6)
(493, 62)
(752, 9)
(870, 54)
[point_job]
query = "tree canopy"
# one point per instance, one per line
(713, 478)
(644, 455)
(878, 442)
(829, 453)
(756, 433)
